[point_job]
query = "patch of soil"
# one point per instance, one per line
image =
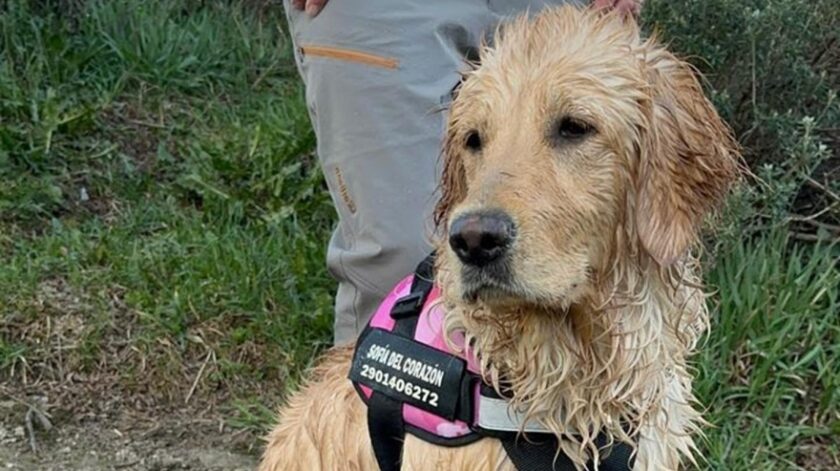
(136, 133)
(128, 441)
(818, 457)
(122, 405)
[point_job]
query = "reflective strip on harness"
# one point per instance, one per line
(497, 414)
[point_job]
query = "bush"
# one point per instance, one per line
(773, 70)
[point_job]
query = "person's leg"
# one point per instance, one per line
(377, 73)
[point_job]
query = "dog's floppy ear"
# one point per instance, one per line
(688, 159)
(453, 181)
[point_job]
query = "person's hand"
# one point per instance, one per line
(312, 7)
(625, 7)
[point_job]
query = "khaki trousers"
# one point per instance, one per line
(378, 74)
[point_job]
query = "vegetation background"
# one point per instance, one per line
(163, 224)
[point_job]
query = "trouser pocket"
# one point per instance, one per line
(348, 55)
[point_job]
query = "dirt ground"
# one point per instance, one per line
(123, 440)
(121, 413)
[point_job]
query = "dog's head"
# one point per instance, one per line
(573, 143)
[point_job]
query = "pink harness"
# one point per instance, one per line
(412, 382)
(429, 331)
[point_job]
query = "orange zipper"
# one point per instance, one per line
(350, 55)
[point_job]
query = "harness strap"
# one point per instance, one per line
(541, 454)
(533, 447)
(410, 306)
(496, 414)
(387, 430)
(384, 415)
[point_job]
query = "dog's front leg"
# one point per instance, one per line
(323, 427)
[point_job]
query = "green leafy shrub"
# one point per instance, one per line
(773, 70)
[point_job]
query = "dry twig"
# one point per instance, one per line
(198, 376)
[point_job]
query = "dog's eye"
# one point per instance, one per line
(473, 141)
(573, 129)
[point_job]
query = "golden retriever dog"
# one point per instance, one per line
(580, 160)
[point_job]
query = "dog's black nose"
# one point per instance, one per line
(481, 237)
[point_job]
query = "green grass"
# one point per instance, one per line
(156, 166)
(161, 209)
(768, 371)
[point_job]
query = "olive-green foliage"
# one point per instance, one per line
(773, 70)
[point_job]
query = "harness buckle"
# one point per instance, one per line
(409, 305)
